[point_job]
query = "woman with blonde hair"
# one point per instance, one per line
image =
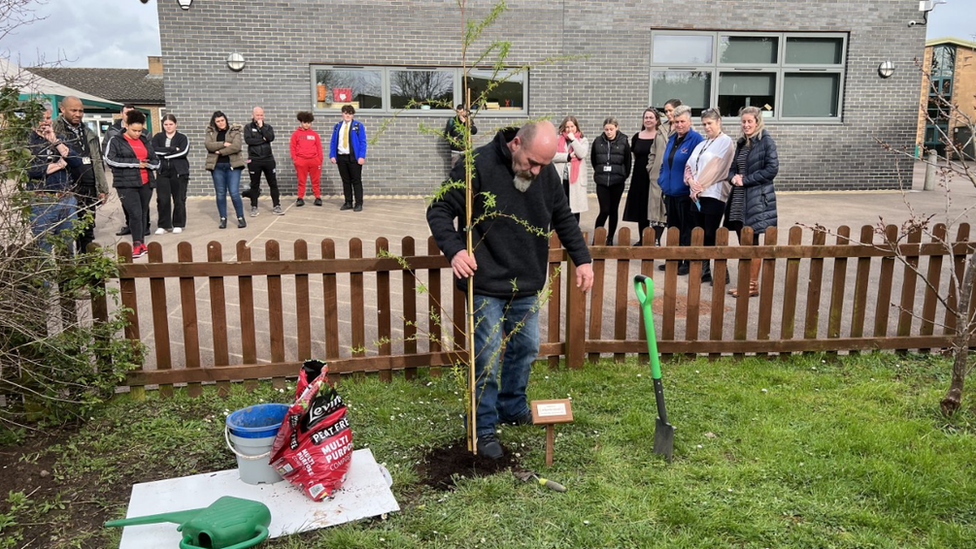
(707, 175)
(752, 201)
(571, 150)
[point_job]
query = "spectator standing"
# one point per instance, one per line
(132, 159)
(752, 201)
(91, 185)
(225, 161)
(611, 162)
(645, 203)
(514, 169)
(53, 207)
(455, 133)
(306, 153)
(258, 135)
(116, 129)
(672, 177)
(571, 150)
(707, 175)
(173, 178)
(669, 107)
(347, 150)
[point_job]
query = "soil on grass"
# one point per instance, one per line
(441, 467)
(64, 509)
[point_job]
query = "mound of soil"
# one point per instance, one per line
(441, 467)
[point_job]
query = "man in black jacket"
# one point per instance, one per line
(91, 185)
(454, 132)
(512, 261)
(260, 159)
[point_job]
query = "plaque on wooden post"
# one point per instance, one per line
(549, 413)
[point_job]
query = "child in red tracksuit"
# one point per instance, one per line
(306, 153)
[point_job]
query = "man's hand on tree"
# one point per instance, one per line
(464, 265)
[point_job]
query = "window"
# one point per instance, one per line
(421, 89)
(388, 89)
(792, 77)
(361, 88)
(506, 92)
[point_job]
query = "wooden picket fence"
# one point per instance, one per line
(214, 320)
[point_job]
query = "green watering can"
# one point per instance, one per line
(229, 523)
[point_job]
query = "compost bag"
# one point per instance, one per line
(313, 448)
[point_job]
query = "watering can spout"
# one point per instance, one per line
(176, 517)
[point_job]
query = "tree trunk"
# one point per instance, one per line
(960, 343)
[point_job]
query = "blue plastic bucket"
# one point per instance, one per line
(258, 421)
(250, 433)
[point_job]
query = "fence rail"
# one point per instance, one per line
(207, 319)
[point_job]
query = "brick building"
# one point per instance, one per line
(812, 65)
(949, 73)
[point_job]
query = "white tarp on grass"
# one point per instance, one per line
(365, 493)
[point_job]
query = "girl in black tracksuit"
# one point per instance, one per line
(173, 177)
(610, 157)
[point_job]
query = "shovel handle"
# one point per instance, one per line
(644, 287)
(552, 485)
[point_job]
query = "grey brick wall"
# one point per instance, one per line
(281, 39)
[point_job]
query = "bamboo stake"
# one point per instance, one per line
(469, 203)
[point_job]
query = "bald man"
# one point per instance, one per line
(511, 263)
(91, 186)
(258, 135)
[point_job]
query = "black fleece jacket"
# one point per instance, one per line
(511, 259)
(258, 141)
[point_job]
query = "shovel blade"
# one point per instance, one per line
(663, 439)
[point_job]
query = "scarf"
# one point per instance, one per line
(574, 162)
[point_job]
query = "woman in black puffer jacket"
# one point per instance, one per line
(752, 202)
(133, 160)
(611, 160)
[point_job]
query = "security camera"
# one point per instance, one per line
(912, 23)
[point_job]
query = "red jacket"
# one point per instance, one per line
(306, 145)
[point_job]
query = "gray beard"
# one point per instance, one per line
(522, 183)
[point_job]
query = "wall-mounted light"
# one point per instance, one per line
(236, 62)
(886, 69)
(185, 4)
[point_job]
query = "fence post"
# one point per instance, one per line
(575, 320)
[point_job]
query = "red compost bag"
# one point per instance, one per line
(313, 448)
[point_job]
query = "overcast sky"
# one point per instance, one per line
(121, 33)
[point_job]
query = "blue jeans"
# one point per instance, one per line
(51, 216)
(495, 319)
(228, 180)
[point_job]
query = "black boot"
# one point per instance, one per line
(706, 275)
(658, 233)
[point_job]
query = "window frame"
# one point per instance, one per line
(781, 69)
(387, 98)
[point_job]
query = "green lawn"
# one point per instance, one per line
(768, 453)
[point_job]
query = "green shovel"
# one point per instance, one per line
(663, 431)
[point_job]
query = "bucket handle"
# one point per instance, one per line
(240, 455)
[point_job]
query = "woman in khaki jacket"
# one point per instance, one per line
(225, 161)
(656, 214)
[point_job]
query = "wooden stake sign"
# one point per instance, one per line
(549, 413)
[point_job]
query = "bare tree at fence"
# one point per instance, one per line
(59, 356)
(954, 169)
